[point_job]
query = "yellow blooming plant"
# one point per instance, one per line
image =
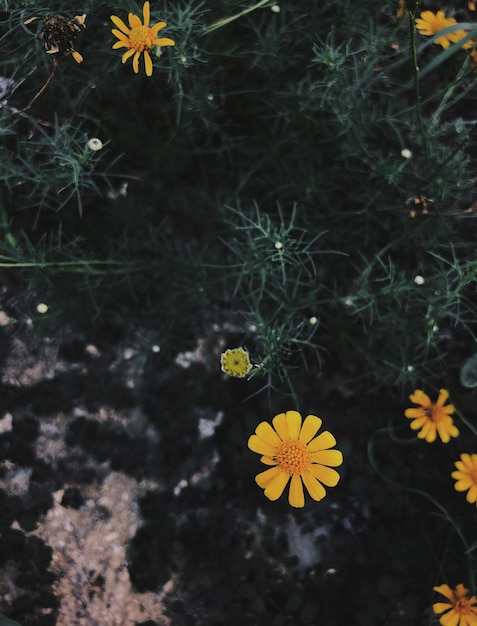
(429, 24)
(139, 38)
(432, 418)
(460, 610)
(295, 453)
(235, 362)
(466, 476)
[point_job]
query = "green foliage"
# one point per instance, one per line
(298, 128)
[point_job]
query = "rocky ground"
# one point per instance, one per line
(66, 515)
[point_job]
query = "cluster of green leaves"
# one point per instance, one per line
(280, 125)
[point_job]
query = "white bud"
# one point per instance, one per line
(155, 348)
(275, 8)
(313, 320)
(419, 280)
(95, 144)
(278, 245)
(406, 154)
(42, 308)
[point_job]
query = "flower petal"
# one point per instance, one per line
(296, 497)
(450, 619)
(310, 427)
(462, 484)
(136, 62)
(256, 444)
(332, 458)
(164, 41)
(268, 460)
(428, 432)
(281, 426)
(445, 590)
(314, 488)
(419, 397)
(77, 56)
(156, 28)
(265, 478)
(325, 475)
(127, 55)
(146, 13)
(443, 396)
(467, 461)
(121, 36)
(324, 441)
(415, 412)
(446, 430)
(147, 63)
(120, 24)
(276, 487)
(294, 424)
(471, 496)
(418, 423)
(440, 607)
(266, 432)
(448, 409)
(134, 20)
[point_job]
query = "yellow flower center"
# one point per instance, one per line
(293, 457)
(141, 38)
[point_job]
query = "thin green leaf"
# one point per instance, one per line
(451, 50)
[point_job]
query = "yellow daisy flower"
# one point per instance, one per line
(466, 476)
(294, 452)
(460, 610)
(429, 24)
(235, 362)
(432, 418)
(139, 38)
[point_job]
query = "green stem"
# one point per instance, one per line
(417, 95)
(470, 426)
(438, 505)
(75, 266)
(232, 18)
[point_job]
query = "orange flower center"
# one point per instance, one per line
(433, 412)
(462, 605)
(293, 457)
(141, 38)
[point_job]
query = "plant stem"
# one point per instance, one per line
(417, 95)
(45, 86)
(227, 20)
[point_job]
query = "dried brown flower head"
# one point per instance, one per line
(59, 32)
